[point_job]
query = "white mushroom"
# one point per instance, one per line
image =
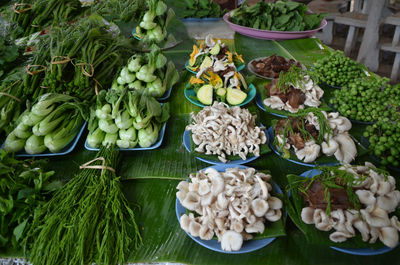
(259, 207)
(185, 222)
(274, 203)
(309, 153)
(340, 236)
(376, 216)
(222, 202)
(191, 201)
(194, 228)
(231, 241)
(204, 187)
(307, 215)
(395, 222)
(257, 227)
(389, 202)
(389, 236)
(362, 226)
(329, 147)
(274, 102)
(237, 226)
(273, 215)
(181, 195)
(321, 220)
(366, 197)
(209, 40)
(183, 186)
(347, 150)
(206, 233)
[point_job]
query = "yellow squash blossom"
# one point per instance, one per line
(193, 54)
(194, 80)
(215, 80)
(239, 57)
(230, 56)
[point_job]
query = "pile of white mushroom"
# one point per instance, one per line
(312, 92)
(221, 130)
(232, 205)
(338, 143)
(378, 197)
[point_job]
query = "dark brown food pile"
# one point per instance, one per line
(315, 197)
(295, 136)
(295, 96)
(273, 65)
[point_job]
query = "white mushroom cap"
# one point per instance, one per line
(206, 233)
(389, 202)
(191, 201)
(362, 226)
(259, 207)
(183, 186)
(366, 197)
(347, 150)
(185, 222)
(274, 102)
(307, 215)
(395, 222)
(274, 203)
(257, 227)
(194, 228)
(217, 185)
(231, 241)
(207, 199)
(339, 236)
(181, 195)
(376, 217)
(273, 215)
(209, 40)
(237, 226)
(309, 153)
(322, 221)
(204, 187)
(389, 236)
(329, 147)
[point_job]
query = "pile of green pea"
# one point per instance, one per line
(337, 69)
(366, 99)
(384, 139)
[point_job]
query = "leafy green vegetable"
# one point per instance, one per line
(24, 185)
(282, 15)
(87, 221)
(198, 9)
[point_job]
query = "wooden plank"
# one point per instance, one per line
(395, 69)
(352, 19)
(390, 48)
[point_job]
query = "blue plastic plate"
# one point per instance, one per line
(213, 244)
(154, 146)
(260, 104)
(205, 19)
(353, 251)
(186, 143)
(66, 150)
(239, 68)
(271, 145)
(190, 95)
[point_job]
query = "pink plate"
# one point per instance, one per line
(270, 34)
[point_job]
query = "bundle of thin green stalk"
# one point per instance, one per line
(83, 58)
(88, 221)
(51, 123)
(28, 16)
(119, 10)
(293, 77)
(11, 99)
(24, 186)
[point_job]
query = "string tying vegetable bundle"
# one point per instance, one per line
(88, 221)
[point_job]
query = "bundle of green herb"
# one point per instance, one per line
(88, 221)
(24, 185)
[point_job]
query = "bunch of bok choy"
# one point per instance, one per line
(153, 24)
(126, 118)
(51, 123)
(88, 221)
(148, 73)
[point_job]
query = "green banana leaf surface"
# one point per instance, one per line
(150, 179)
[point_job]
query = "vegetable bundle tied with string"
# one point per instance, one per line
(87, 221)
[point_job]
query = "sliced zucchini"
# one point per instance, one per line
(235, 96)
(205, 94)
(207, 62)
(215, 50)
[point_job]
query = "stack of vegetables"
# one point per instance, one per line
(153, 24)
(51, 123)
(215, 55)
(126, 118)
(25, 185)
(148, 73)
(200, 9)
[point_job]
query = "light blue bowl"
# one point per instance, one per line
(66, 150)
(213, 244)
(238, 69)
(186, 143)
(189, 94)
(353, 251)
(205, 19)
(154, 146)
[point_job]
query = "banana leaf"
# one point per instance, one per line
(153, 199)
